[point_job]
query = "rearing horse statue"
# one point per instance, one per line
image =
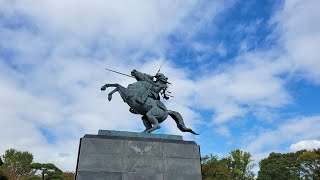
(143, 98)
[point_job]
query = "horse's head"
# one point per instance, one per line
(136, 74)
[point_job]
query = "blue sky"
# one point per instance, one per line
(245, 74)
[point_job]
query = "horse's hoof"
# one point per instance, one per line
(109, 98)
(103, 88)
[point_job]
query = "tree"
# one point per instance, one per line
(2, 175)
(279, 166)
(48, 171)
(294, 165)
(68, 175)
(237, 165)
(16, 164)
(240, 165)
(33, 177)
(310, 164)
(214, 169)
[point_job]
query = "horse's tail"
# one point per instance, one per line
(179, 120)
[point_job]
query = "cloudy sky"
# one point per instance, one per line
(244, 74)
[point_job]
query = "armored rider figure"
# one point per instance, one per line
(157, 86)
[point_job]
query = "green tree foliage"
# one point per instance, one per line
(237, 165)
(48, 171)
(294, 166)
(33, 177)
(240, 164)
(310, 164)
(3, 176)
(68, 175)
(214, 169)
(16, 164)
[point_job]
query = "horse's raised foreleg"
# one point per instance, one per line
(122, 91)
(110, 94)
(104, 87)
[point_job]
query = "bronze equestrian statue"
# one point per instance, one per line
(143, 98)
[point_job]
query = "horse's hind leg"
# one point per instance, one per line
(146, 123)
(152, 119)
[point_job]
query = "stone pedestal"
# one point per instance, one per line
(117, 155)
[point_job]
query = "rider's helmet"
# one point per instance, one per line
(161, 77)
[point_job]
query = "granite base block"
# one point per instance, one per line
(135, 158)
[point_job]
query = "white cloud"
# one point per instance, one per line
(297, 129)
(249, 83)
(223, 131)
(118, 25)
(299, 31)
(256, 80)
(273, 140)
(306, 144)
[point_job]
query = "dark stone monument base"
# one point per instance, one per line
(130, 156)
